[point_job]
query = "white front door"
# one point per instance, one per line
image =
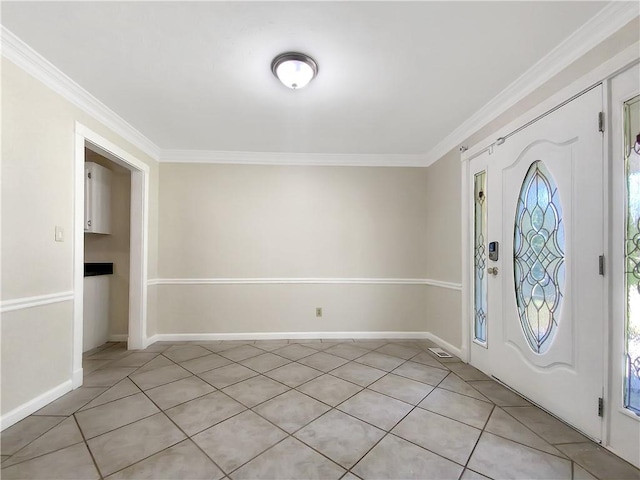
(545, 307)
(624, 396)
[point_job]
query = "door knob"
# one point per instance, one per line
(492, 271)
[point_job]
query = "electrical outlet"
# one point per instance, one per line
(318, 311)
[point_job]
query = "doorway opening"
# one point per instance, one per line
(614, 343)
(106, 251)
(91, 147)
(540, 221)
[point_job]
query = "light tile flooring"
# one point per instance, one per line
(294, 410)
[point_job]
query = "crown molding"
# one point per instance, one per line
(40, 68)
(287, 158)
(604, 24)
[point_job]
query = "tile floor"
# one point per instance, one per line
(294, 410)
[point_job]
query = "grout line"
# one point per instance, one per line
(538, 435)
(486, 399)
(24, 460)
(149, 456)
(36, 438)
(187, 437)
(268, 369)
(478, 439)
(245, 409)
(106, 403)
(529, 446)
(188, 359)
(229, 385)
(399, 399)
(260, 453)
(121, 426)
(186, 401)
(388, 432)
(86, 444)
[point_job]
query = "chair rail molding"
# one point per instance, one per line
(305, 281)
(35, 301)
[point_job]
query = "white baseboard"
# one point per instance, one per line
(146, 341)
(204, 337)
(305, 281)
(446, 345)
(26, 409)
(201, 337)
(77, 378)
(118, 337)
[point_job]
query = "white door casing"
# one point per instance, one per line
(137, 338)
(566, 378)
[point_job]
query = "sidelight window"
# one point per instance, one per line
(632, 255)
(480, 258)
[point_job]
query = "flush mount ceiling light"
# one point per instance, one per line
(293, 69)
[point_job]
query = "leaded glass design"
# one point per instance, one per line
(538, 257)
(480, 258)
(632, 255)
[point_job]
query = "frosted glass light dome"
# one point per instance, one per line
(294, 70)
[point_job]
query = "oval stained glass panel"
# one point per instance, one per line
(538, 257)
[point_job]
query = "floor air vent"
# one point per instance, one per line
(440, 352)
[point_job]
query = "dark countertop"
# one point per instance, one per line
(95, 269)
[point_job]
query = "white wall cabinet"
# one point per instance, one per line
(97, 198)
(95, 312)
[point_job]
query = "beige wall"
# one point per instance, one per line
(36, 352)
(444, 247)
(241, 221)
(115, 246)
(38, 142)
(444, 238)
(290, 308)
(277, 221)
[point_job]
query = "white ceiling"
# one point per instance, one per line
(395, 77)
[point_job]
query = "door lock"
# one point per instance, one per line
(492, 271)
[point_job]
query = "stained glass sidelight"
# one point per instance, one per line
(538, 257)
(480, 258)
(632, 255)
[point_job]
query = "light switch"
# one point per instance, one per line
(59, 234)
